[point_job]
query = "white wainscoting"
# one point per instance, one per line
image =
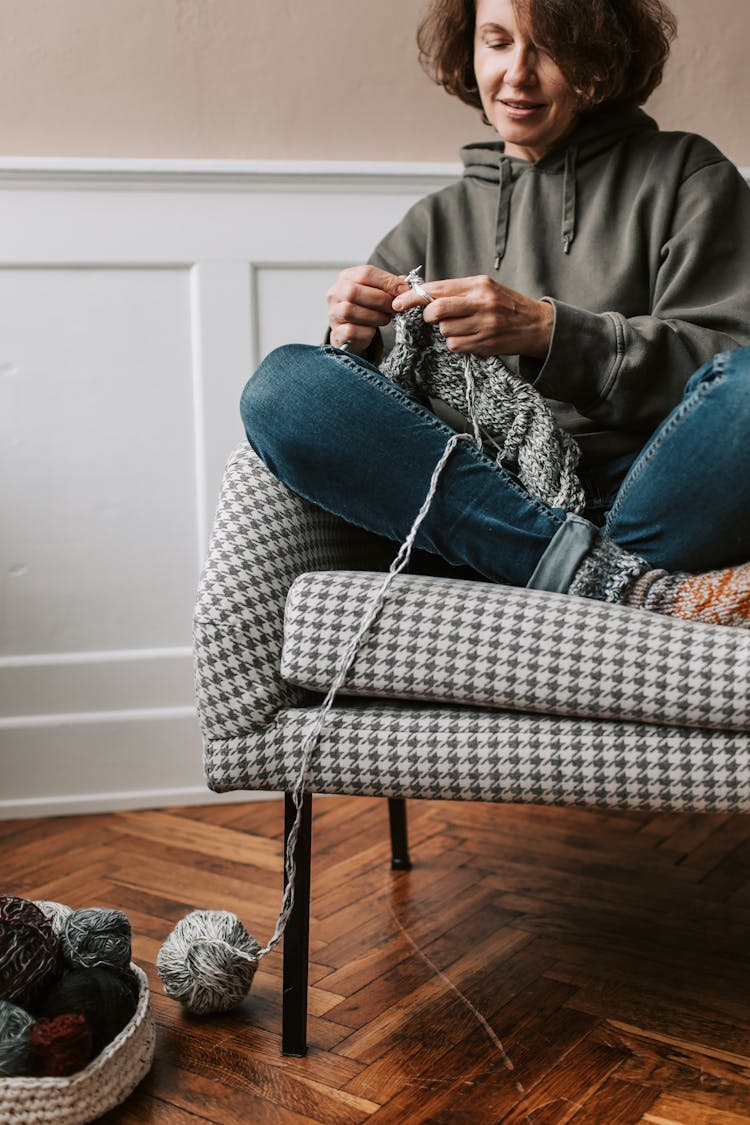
(135, 299)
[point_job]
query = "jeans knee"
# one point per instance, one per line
(267, 404)
(730, 369)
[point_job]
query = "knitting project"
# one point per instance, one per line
(516, 425)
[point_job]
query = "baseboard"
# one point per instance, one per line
(71, 805)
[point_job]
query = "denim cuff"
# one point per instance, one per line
(567, 550)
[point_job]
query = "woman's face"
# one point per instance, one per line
(523, 92)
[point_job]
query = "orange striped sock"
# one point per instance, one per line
(719, 597)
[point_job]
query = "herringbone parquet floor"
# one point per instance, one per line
(609, 953)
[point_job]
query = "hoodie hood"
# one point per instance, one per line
(596, 133)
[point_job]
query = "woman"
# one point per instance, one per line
(604, 261)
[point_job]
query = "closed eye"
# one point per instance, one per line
(494, 36)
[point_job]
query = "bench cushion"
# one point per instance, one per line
(450, 641)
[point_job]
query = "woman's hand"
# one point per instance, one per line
(359, 302)
(477, 314)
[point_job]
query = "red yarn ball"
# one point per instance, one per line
(29, 954)
(60, 1046)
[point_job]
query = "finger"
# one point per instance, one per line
(375, 278)
(410, 300)
(435, 289)
(351, 337)
(346, 313)
(359, 296)
(449, 308)
(475, 345)
(465, 342)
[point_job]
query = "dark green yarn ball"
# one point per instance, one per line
(106, 998)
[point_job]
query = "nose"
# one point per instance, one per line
(520, 70)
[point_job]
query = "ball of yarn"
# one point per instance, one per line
(15, 1025)
(208, 961)
(29, 959)
(60, 1046)
(107, 998)
(55, 913)
(96, 938)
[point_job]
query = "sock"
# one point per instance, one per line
(718, 597)
(607, 573)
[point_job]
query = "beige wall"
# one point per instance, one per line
(291, 79)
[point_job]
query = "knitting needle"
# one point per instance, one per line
(414, 279)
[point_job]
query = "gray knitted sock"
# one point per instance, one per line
(716, 597)
(607, 573)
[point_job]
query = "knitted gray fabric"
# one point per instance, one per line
(655, 590)
(517, 426)
(608, 573)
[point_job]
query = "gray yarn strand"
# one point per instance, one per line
(312, 738)
(517, 426)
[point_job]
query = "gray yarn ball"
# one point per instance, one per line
(208, 961)
(56, 913)
(94, 938)
(15, 1026)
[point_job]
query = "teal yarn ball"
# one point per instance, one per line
(15, 1028)
(95, 938)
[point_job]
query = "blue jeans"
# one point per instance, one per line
(336, 431)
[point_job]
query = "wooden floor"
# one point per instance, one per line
(608, 952)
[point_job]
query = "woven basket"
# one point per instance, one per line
(105, 1082)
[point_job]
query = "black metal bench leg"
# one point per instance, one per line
(399, 842)
(297, 935)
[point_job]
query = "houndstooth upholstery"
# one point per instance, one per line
(263, 537)
(478, 755)
(591, 747)
(448, 641)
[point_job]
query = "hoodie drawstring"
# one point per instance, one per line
(569, 199)
(569, 205)
(503, 212)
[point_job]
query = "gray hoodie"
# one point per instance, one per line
(640, 239)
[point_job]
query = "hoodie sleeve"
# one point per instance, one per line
(630, 372)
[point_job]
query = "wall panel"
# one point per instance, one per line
(135, 300)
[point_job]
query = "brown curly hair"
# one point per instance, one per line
(609, 51)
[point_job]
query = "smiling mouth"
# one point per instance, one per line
(521, 107)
